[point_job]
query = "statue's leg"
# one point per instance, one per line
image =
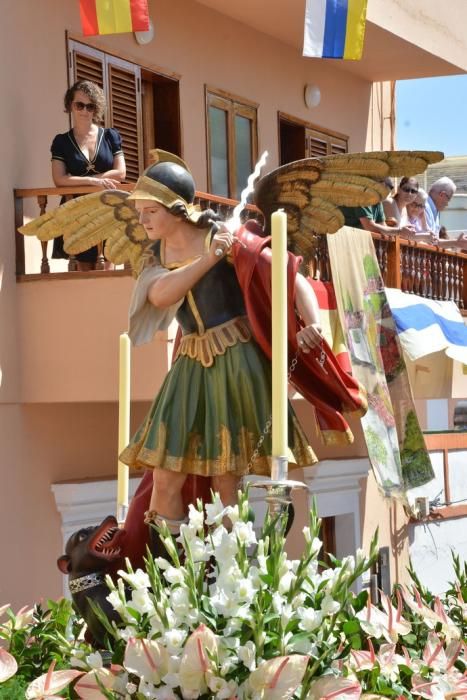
(166, 505)
(226, 485)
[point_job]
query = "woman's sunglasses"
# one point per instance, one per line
(409, 190)
(89, 106)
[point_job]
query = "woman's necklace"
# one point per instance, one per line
(85, 144)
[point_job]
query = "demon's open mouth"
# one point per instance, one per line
(106, 541)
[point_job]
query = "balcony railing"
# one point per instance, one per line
(415, 268)
(41, 196)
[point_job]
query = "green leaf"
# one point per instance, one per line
(351, 627)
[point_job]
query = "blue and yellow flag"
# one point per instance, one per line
(334, 28)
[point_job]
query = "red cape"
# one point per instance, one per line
(329, 389)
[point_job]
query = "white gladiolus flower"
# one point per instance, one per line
(245, 533)
(173, 639)
(359, 557)
(307, 534)
(309, 619)
(233, 514)
(175, 575)
(162, 563)
(316, 545)
(245, 590)
(286, 582)
(116, 602)
(298, 600)
(199, 550)
(247, 655)
(329, 606)
(141, 601)
(195, 518)
(349, 564)
(180, 601)
(215, 511)
(139, 579)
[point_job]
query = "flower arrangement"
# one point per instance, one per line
(228, 616)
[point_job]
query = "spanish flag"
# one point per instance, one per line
(334, 29)
(113, 16)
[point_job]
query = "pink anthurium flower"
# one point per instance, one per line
(147, 659)
(442, 686)
(196, 661)
(432, 617)
(386, 658)
(277, 679)
(437, 656)
(388, 623)
(50, 683)
(23, 617)
(334, 688)
(88, 687)
(8, 665)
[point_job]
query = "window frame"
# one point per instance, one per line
(112, 61)
(335, 141)
(234, 106)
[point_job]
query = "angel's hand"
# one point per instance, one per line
(221, 244)
(309, 337)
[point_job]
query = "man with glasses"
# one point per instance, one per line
(440, 194)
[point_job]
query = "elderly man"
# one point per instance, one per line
(439, 196)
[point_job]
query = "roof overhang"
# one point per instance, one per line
(416, 39)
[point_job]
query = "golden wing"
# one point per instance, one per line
(312, 190)
(87, 220)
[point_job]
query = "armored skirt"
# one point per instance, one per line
(212, 413)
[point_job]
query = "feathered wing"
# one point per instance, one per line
(87, 220)
(312, 190)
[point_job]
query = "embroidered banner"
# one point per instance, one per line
(395, 443)
(334, 29)
(113, 16)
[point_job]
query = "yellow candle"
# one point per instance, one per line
(279, 334)
(123, 418)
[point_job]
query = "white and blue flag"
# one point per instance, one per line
(432, 334)
(425, 326)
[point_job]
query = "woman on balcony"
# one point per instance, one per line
(395, 208)
(86, 155)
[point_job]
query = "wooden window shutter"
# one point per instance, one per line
(124, 97)
(316, 146)
(85, 63)
(339, 145)
(322, 143)
(121, 82)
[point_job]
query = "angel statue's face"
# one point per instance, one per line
(156, 219)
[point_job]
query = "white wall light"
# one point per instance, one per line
(312, 95)
(144, 38)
